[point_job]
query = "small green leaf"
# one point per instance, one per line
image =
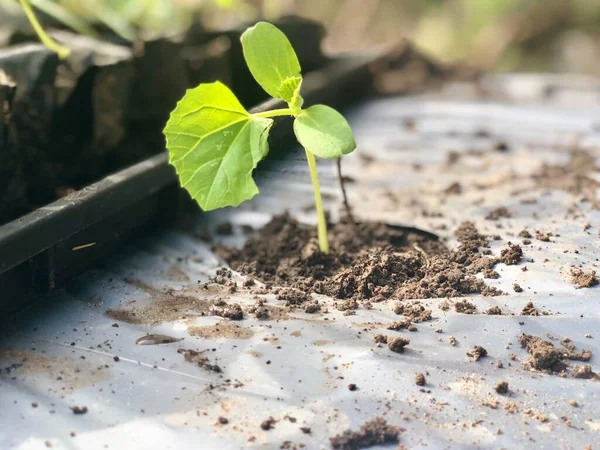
(272, 60)
(214, 144)
(324, 131)
(297, 100)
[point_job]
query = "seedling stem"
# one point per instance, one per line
(314, 177)
(278, 113)
(321, 222)
(50, 43)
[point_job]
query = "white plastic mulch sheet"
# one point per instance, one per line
(65, 352)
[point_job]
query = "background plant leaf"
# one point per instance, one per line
(272, 60)
(324, 131)
(214, 144)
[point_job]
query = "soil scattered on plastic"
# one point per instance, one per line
(575, 177)
(477, 352)
(373, 432)
(420, 379)
(397, 344)
(530, 310)
(223, 309)
(156, 339)
(583, 279)
(494, 311)
(501, 387)
(498, 213)
(167, 306)
(544, 357)
(79, 410)
(221, 330)
(414, 312)
(198, 358)
(64, 374)
(465, 307)
(268, 424)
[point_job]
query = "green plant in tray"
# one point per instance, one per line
(215, 144)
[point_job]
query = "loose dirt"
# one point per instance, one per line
(374, 432)
(222, 330)
(198, 358)
(368, 262)
(582, 279)
(420, 379)
(549, 359)
(530, 310)
(477, 352)
(501, 387)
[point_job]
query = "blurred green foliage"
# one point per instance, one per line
(556, 35)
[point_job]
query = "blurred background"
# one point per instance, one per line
(501, 35)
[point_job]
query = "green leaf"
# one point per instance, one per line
(272, 61)
(324, 131)
(214, 144)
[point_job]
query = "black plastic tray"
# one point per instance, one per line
(41, 250)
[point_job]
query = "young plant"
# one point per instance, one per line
(215, 144)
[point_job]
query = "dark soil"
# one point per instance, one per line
(380, 339)
(494, 311)
(292, 296)
(477, 352)
(397, 344)
(224, 229)
(420, 379)
(396, 326)
(585, 372)
(374, 432)
(415, 312)
(268, 424)
(368, 262)
(79, 410)
(544, 237)
(512, 255)
(465, 307)
(312, 308)
(530, 310)
(501, 387)
(223, 309)
(525, 234)
(490, 274)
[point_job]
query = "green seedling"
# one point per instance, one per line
(215, 144)
(50, 43)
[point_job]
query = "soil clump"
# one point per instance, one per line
(374, 432)
(368, 262)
